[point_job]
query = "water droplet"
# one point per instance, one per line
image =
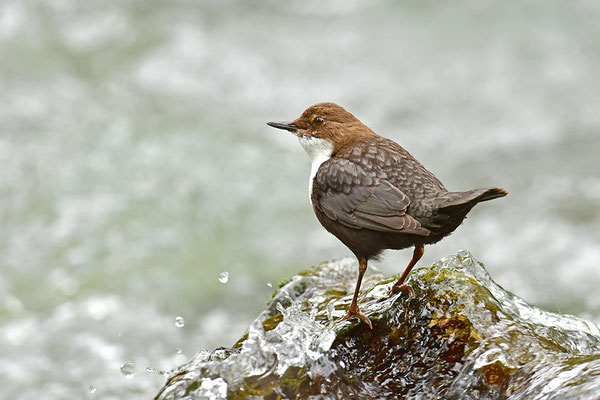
(179, 322)
(154, 370)
(128, 369)
(342, 364)
(269, 284)
(178, 351)
(92, 389)
(224, 277)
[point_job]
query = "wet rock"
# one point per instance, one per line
(461, 337)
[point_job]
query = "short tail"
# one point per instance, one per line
(460, 200)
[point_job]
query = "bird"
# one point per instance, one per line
(372, 194)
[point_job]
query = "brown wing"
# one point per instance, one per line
(346, 193)
(390, 161)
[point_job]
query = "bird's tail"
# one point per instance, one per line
(455, 201)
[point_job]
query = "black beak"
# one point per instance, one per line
(288, 126)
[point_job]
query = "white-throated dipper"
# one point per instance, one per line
(372, 194)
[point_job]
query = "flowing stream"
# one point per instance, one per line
(147, 211)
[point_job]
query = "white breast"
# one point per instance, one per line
(319, 151)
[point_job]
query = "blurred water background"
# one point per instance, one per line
(136, 166)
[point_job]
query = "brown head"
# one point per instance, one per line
(330, 123)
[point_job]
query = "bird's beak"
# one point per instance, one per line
(288, 126)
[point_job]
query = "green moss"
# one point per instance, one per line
(271, 323)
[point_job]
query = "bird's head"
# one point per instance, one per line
(325, 128)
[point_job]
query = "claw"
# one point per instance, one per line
(399, 288)
(403, 288)
(355, 312)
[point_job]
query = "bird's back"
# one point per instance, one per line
(388, 160)
(437, 209)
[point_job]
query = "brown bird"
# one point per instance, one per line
(372, 194)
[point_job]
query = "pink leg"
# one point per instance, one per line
(354, 311)
(399, 286)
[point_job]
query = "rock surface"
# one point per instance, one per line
(461, 337)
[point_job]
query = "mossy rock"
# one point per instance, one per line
(461, 337)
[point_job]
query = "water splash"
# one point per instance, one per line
(282, 341)
(157, 371)
(213, 389)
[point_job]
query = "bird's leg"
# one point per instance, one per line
(399, 286)
(354, 311)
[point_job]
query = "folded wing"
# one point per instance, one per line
(358, 199)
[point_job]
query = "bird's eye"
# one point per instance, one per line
(319, 120)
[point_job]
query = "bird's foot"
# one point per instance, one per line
(399, 288)
(402, 288)
(354, 311)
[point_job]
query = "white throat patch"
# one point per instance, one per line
(319, 150)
